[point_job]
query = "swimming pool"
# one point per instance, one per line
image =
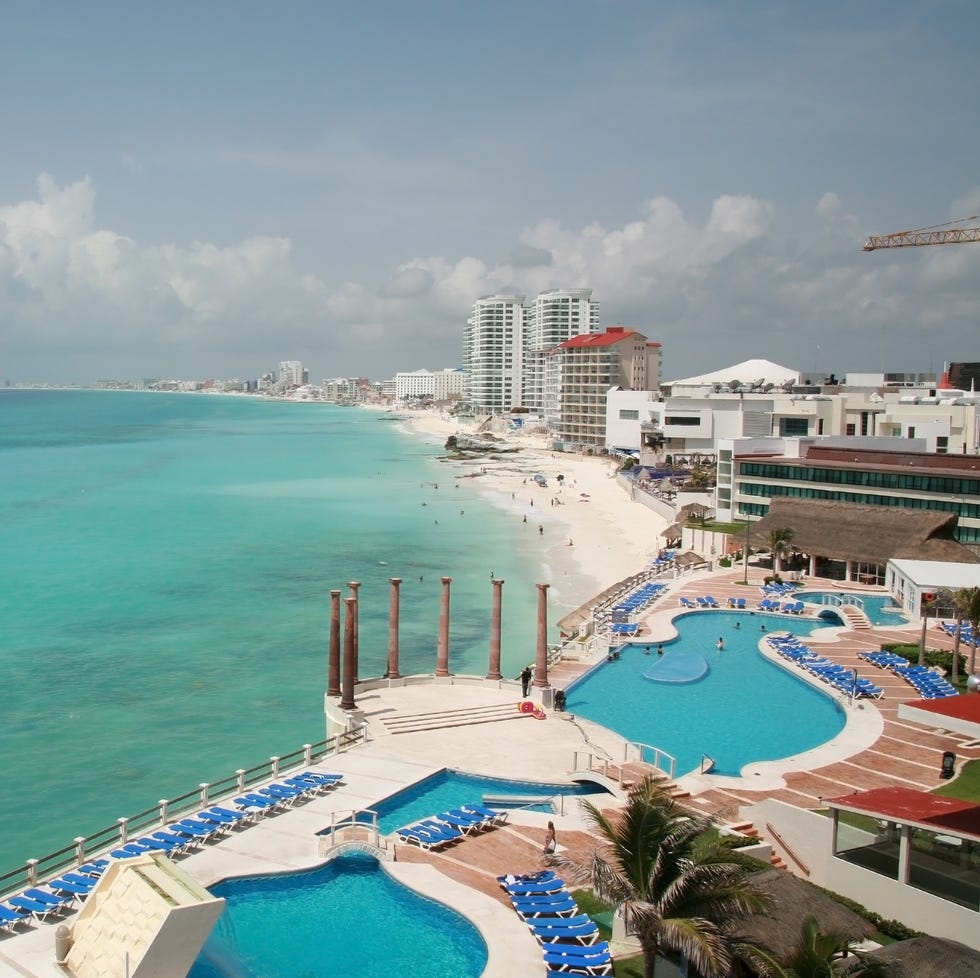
(745, 709)
(881, 609)
(345, 918)
(449, 789)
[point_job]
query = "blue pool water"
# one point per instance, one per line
(450, 789)
(745, 709)
(346, 918)
(881, 609)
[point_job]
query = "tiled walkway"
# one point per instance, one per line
(906, 754)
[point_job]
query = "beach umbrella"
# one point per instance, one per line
(693, 510)
(674, 531)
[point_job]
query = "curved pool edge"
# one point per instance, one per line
(508, 940)
(863, 727)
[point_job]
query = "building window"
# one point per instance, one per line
(792, 427)
(629, 415)
(849, 429)
(942, 445)
(819, 426)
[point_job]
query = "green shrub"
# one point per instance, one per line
(892, 928)
(725, 562)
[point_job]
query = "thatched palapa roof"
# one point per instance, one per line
(869, 534)
(793, 900)
(930, 957)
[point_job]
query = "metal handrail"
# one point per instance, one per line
(206, 793)
(789, 852)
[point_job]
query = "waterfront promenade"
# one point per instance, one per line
(876, 748)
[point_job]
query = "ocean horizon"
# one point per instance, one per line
(167, 561)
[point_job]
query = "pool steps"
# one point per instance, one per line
(402, 723)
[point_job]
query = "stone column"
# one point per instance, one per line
(354, 585)
(813, 565)
(442, 647)
(333, 667)
(393, 672)
(347, 694)
(494, 669)
(541, 661)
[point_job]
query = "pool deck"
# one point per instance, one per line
(875, 749)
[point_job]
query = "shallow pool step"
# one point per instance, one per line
(402, 723)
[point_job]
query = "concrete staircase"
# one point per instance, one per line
(854, 617)
(751, 832)
(403, 723)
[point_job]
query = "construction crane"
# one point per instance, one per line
(935, 235)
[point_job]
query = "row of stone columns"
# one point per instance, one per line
(341, 681)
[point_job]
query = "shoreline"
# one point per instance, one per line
(595, 534)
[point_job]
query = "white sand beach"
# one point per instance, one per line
(597, 535)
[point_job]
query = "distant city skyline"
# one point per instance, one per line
(194, 190)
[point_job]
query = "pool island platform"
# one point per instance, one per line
(877, 748)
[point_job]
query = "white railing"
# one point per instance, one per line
(661, 760)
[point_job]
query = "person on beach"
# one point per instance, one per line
(525, 680)
(541, 529)
(525, 517)
(550, 841)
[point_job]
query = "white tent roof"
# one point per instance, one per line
(747, 372)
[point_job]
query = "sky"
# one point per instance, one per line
(194, 190)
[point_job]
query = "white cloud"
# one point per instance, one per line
(712, 292)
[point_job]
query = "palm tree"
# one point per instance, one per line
(678, 889)
(818, 955)
(959, 602)
(780, 545)
(972, 614)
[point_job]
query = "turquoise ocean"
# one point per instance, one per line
(165, 568)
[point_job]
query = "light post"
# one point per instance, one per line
(745, 552)
(928, 600)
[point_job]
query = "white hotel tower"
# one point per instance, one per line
(555, 316)
(493, 351)
(505, 343)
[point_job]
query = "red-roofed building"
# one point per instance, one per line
(911, 855)
(579, 375)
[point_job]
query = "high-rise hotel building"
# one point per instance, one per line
(506, 341)
(554, 317)
(493, 350)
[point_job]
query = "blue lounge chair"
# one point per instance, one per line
(10, 918)
(427, 838)
(255, 803)
(686, 603)
(216, 816)
(740, 604)
(594, 960)
(542, 876)
(493, 815)
(71, 888)
(711, 601)
(541, 888)
(561, 905)
(40, 905)
(182, 843)
(190, 829)
(94, 867)
(581, 929)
